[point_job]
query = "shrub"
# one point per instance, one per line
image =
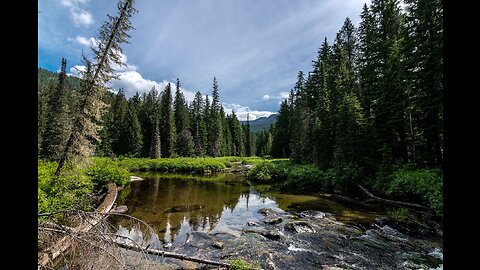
(104, 171)
(302, 176)
(67, 190)
(425, 185)
(239, 264)
(263, 172)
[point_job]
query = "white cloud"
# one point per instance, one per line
(80, 16)
(75, 70)
(88, 42)
(73, 3)
(243, 111)
(266, 97)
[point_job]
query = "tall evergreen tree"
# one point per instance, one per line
(248, 141)
(112, 33)
(198, 126)
(167, 133)
(215, 128)
(184, 136)
(118, 126)
(148, 114)
(282, 134)
(156, 143)
(423, 52)
(58, 123)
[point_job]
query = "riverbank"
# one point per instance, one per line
(420, 187)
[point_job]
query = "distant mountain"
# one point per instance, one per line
(261, 123)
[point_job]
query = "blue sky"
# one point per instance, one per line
(253, 47)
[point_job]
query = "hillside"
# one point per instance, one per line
(261, 123)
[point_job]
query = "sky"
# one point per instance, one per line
(254, 48)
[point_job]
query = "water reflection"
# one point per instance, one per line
(174, 207)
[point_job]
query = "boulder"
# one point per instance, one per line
(299, 227)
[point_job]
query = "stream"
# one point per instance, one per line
(223, 217)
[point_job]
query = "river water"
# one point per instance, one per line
(223, 216)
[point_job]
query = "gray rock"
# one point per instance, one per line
(299, 227)
(217, 244)
(122, 209)
(272, 235)
(266, 211)
(252, 223)
(272, 219)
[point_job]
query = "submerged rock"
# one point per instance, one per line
(217, 244)
(266, 211)
(299, 227)
(252, 223)
(122, 209)
(184, 208)
(272, 219)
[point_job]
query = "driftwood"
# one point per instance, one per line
(387, 201)
(169, 254)
(50, 253)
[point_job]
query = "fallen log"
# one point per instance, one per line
(50, 253)
(169, 254)
(387, 201)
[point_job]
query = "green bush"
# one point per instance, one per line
(263, 172)
(424, 185)
(302, 176)
(104, 171)
(240, 264)
(67, 190)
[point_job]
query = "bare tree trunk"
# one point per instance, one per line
(170, 254)
(50, 253)
(406, 204)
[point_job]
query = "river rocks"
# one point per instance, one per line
(272, 219)
(271, 216)
(408, 227)
(122, 209)
(217, 244)
(266, 211)
(313, 214)
(299, 227)
(252, 223)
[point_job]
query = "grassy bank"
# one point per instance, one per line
(75, 184)
(424, 186)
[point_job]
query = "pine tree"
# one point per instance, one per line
(118, 126)
(281, 133)
(57, 122)
(112, 33)
(248, 142)
(423, 51)
(198, 128)
(148, 114)
(215, 128)
(167, 132)
(181, 123)
(132, 133)
(155, 144)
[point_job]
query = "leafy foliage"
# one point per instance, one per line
(104, 171)
(424, 185)
(240, 264)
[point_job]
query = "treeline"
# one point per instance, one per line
(155, 124)
(374, 99)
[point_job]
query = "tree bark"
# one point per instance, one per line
(170, 254)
